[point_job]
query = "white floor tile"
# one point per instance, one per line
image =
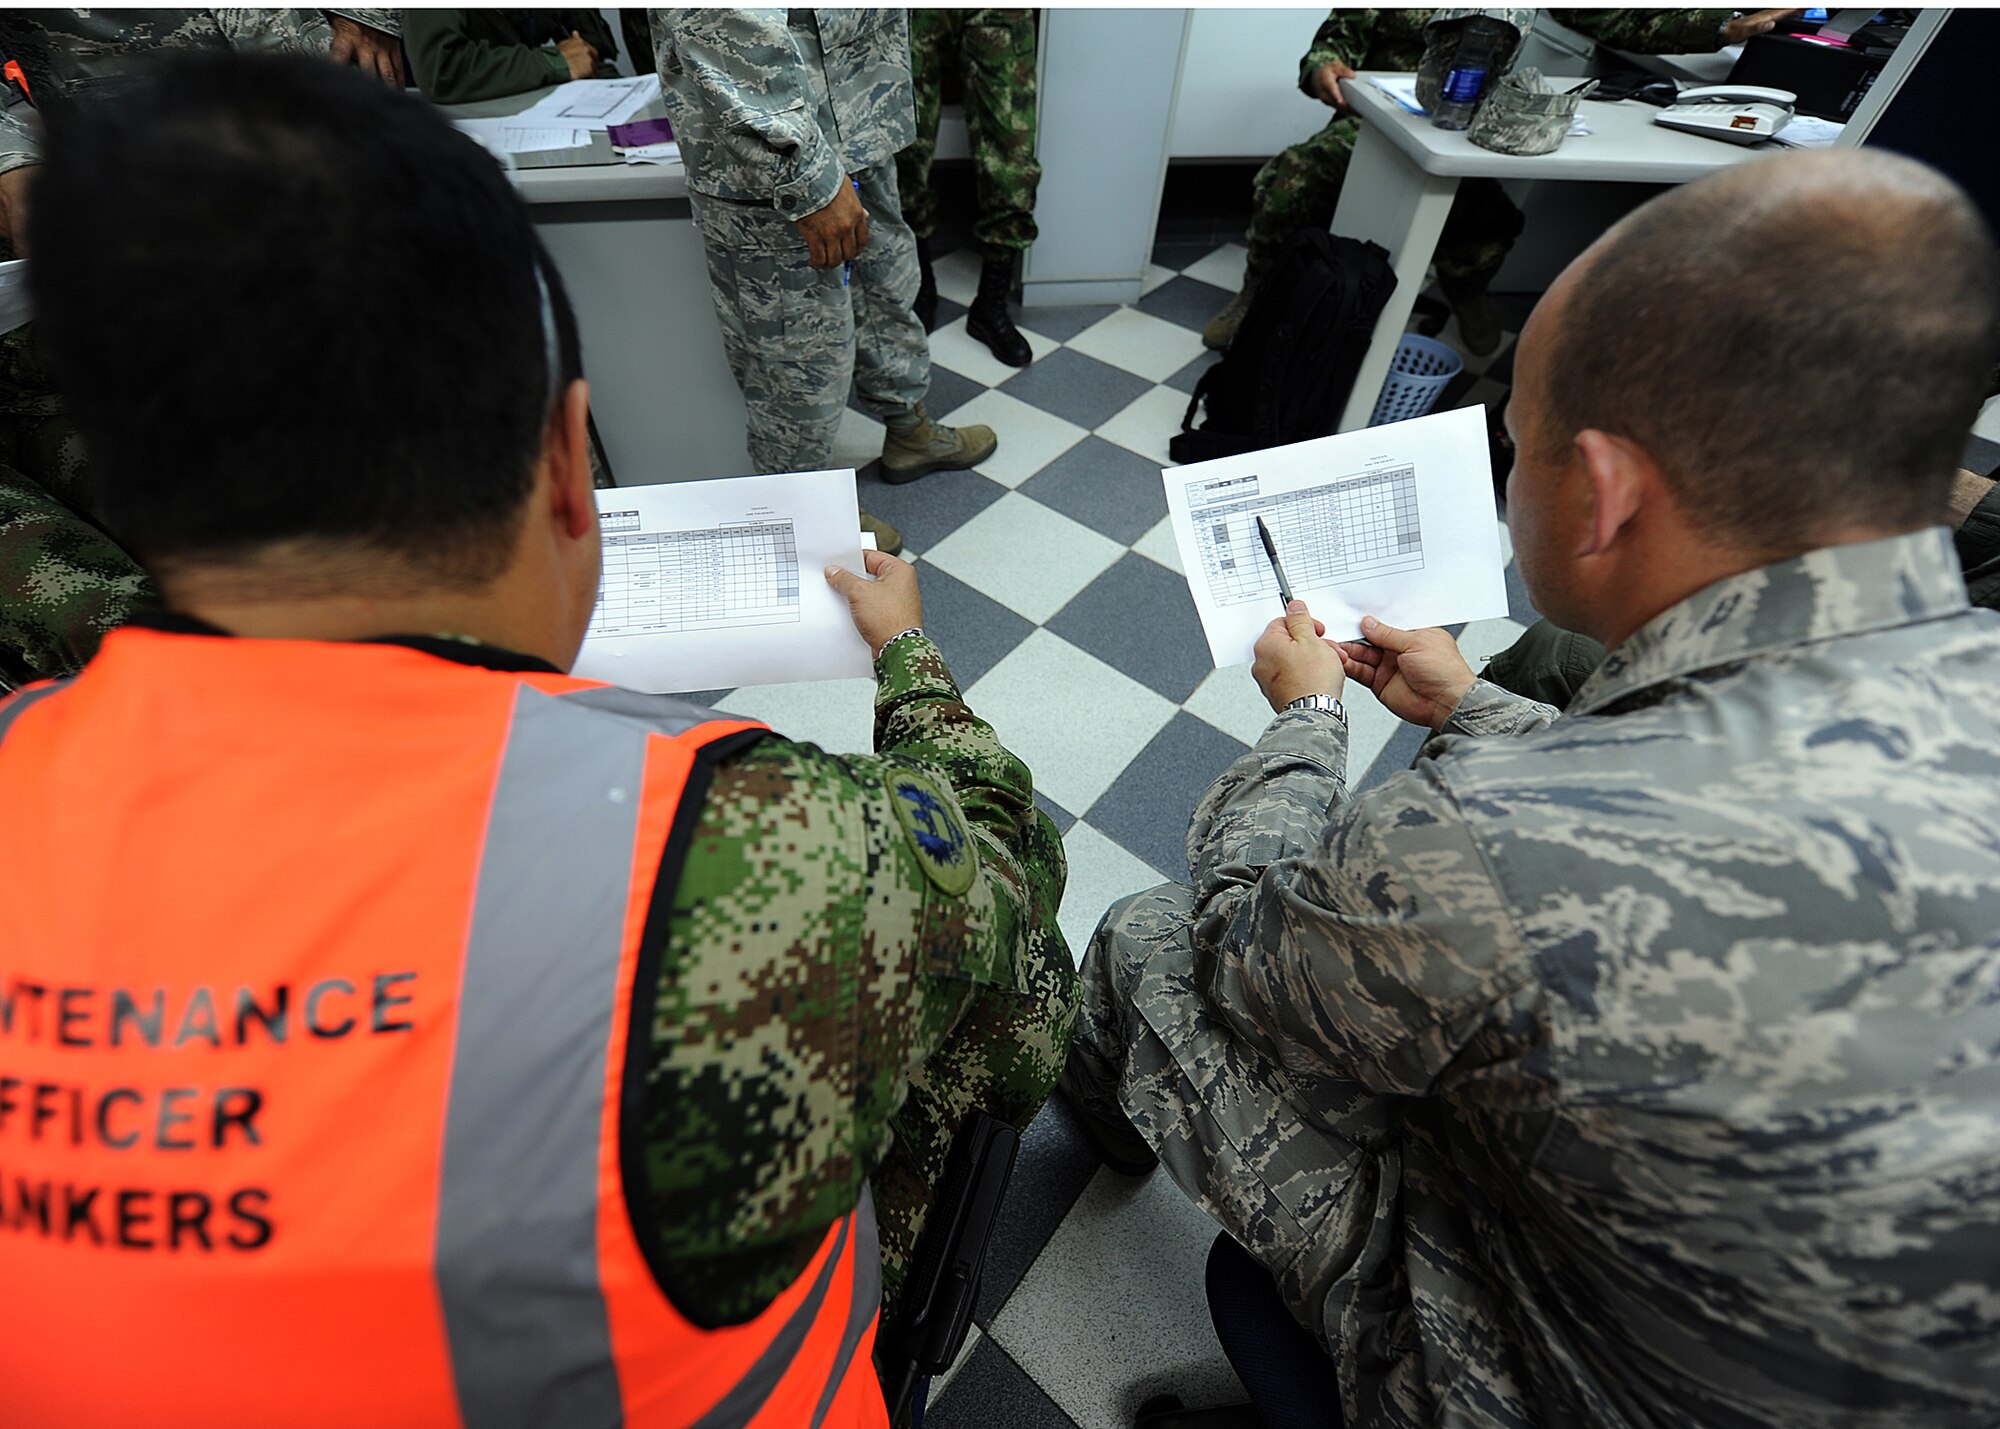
(1139, 342)
(1159, 545)
(1153, 277)
(1075, 721)
(1148, 424)
(1483, 639)
(1369, 728)
(957, 275)
(837, 715)
(1100, 873)
(1029, 558)
(1029, 437)
(1230, 700)
(952, 346)
(858, 441)
(1114, 1310)
(1223, 267)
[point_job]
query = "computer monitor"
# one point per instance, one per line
(1935, 102)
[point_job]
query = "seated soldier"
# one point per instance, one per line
(1634, 1066)
(465, 1042)
(461, 55)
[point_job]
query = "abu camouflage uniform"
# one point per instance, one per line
(1300, 187)
(820, 962)
(775, 110)
(1633, 1067)
(1650, 32)
(63, 581)
(994, 54)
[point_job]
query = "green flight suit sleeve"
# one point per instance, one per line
(1344, 35)
(861, 947)
(457, 56)
(1651, 32)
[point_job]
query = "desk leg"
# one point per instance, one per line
(1387, 199)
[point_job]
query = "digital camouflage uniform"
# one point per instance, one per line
(775, 109)
(813, 963)
(63, 581)
(1651, 32)
(994, 54)
(1633, 1067)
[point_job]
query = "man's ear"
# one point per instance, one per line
(569, 461)
(1620, 474)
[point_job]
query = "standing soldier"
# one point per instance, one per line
(63, 581)
(788, 121)
(994, 51)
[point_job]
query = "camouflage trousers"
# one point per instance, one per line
(994, 53)
(1003, 1058)
(798, 338)
(63, 582)
(1295, 1168)
(1300, 188)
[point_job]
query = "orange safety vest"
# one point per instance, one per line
(320, 1094)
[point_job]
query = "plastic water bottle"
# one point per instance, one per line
(1471, 72)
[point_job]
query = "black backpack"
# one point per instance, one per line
(1295, 357)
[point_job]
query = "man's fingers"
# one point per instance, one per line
(844, 581)
(861, 234)
(880, 561)
(1300, 622)
(1386, 636)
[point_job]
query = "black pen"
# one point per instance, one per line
(1277, 566)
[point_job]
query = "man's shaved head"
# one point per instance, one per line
(1799, 342)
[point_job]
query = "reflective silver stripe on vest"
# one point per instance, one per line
(12, 710)
(516, 1259)
(861, 1309)
(661, 714)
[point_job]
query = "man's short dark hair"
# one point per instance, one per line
(285, 304)
(1800, 342)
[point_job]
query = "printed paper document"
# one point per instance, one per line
(593, 103)
(1396, 522)
(513, 136)
(714, 584)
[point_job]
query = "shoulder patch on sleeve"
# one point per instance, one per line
(936, 831)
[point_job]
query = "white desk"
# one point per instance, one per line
(1405, 171)
(624, 240)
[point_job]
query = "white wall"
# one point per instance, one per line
(1239, 96)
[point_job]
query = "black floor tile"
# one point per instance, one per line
(1055, 1163)
(949, 391)
(1061, 817)
(1980, 456)
(1148, 807)
(1139, 619)
(1064, 323)
(1076, 388)
(948, 311)
(1186, 301)
(1185, 379)
(1105, 486)
(975, 631)
(991, 1391)
(1178, 253)
(931, 508)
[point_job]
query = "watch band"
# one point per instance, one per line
(1326, 704)
(913, 632)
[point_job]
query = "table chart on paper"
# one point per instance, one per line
(1348, 529)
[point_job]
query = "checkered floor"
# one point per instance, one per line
(1051, 581)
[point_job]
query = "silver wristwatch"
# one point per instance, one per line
(1326, 704)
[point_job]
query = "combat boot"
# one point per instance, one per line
(925, 306)
(1221, 329)
(1472, 305)
(988, 320)
(888, 540)
(925, 446)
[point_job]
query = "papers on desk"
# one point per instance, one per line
(594, 103)
(1395, 522)
(1806, 132)
(709, 584)
(15, 308)
(515, 135)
